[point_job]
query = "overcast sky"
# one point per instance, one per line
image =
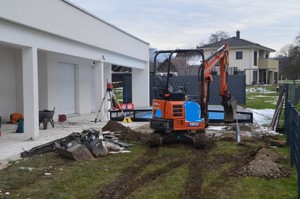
(169, 24)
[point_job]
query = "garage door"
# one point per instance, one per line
(66, 98)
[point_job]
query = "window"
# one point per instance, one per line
(254, 77)
(239, 55)
(275, 77)
(233, 70)
(255, 58)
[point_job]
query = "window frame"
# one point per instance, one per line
(255, 58)
(239, 55)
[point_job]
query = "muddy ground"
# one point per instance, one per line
(259, 161)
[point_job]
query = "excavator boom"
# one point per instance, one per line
(220, 56)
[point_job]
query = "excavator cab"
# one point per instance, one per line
(172, 69)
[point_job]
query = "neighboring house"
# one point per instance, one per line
(55, 54)
(249, 58)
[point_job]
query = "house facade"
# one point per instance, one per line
(249, 58)
(55, 54)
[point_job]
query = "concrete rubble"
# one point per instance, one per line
(87, 145)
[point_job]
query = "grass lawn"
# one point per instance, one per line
(261, 97)
(298, 106)
(290, 82)
(174, 171)
(68, 179)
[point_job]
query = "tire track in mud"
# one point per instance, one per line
(197, 165)
(201, 163)
(128, 182)
(131, 179)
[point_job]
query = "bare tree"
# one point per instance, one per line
(297, 40)
(285, 50)
(218, 36)
(290, 59)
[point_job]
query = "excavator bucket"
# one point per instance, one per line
(230, 108)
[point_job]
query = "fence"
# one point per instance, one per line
(292, 129)
(236, 86)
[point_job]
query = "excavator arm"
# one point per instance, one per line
(229, 104)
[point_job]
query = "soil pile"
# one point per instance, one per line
(126, 133)
(115, 126)
(265, 165)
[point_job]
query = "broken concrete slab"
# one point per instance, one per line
(77, 152)
(96, 147)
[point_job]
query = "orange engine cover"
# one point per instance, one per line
(175, 111)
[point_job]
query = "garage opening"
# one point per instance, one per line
(67, 91)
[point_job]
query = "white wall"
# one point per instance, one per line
(242, 64)
(83, 88)
(22, 36)
(7, 82)
(81, 26)
(70, 36)
(140, 88)
(246, 64)
(43, 81)
(11, 98)
(19, 79)
(83, 81)
(11, 81)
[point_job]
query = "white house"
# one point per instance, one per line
(249, 58)
(55, 54)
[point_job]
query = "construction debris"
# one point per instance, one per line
(275, 123)
(76, 152)
(87, 145)
(84, 146)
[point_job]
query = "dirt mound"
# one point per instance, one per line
(126, 133)
(115, 126)
(265, 165)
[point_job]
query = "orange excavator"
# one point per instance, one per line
(175, 115)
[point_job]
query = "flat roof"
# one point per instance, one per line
(96, 17)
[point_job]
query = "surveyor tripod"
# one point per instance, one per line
(112, 98)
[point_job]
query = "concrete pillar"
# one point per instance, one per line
(271, 77)
(30, 92)
(83, 86)
(107, 79)
(43, 81)
(107, 73)
(258, 77)
(267, 76)
(140, 87)
(100, 88)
